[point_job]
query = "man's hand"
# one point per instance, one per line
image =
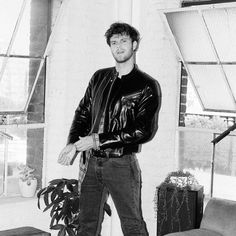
(66, 155)
(84, 144)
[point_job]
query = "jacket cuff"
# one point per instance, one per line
(96, 142)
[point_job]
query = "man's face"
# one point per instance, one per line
(122, 47)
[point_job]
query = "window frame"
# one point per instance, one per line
(53, 26)
(9, 55)
(199, 5)
(199, 9)
(188, 3)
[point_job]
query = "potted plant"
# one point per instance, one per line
(61, 197)
(178, 203)
(27, 181)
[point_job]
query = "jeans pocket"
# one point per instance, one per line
(123, 162)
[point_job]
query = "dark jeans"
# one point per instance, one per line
(121, 178)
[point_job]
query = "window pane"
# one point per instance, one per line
(22, 40)
(15, 86)
(222, 27)
(16, 156)
(209, 82)
(10, 119)
(1, 163)
(9, 11)
(191, 37)
(25, 148)
(195, 153)
(225, 169)
(31, 38)
(230, 71)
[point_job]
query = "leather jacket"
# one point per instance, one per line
(129, 107)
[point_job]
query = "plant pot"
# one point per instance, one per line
(179, 210)
(28, 189)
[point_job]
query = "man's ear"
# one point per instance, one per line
(135, 45)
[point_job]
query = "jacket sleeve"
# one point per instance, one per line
(146, 122)
(81, 123)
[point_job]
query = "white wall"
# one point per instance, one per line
(18, 212)
(78, 51)
(157, 57)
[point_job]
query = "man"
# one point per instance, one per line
(117, 114)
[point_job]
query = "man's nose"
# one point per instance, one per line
(119, 45)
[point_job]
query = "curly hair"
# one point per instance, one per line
(123, 29)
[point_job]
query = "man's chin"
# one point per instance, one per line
(121, 60)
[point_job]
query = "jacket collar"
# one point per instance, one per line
(129, 75)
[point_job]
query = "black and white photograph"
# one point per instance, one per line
(117, 118)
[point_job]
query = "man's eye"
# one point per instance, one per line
(113, 43)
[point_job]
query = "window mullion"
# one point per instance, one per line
(5, 60)
(209, 63)
(5, 135)
(20, 56)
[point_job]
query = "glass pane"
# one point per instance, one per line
(1, 164)
(25, 148)
(225, 169)
(55, 6)
(15, 85)
(195, 153)
(9, 119)
(222, 27)
(31, 38)
(230, 71)
(16, 156)
(9, 12)
(210, 84)
(191, 37)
